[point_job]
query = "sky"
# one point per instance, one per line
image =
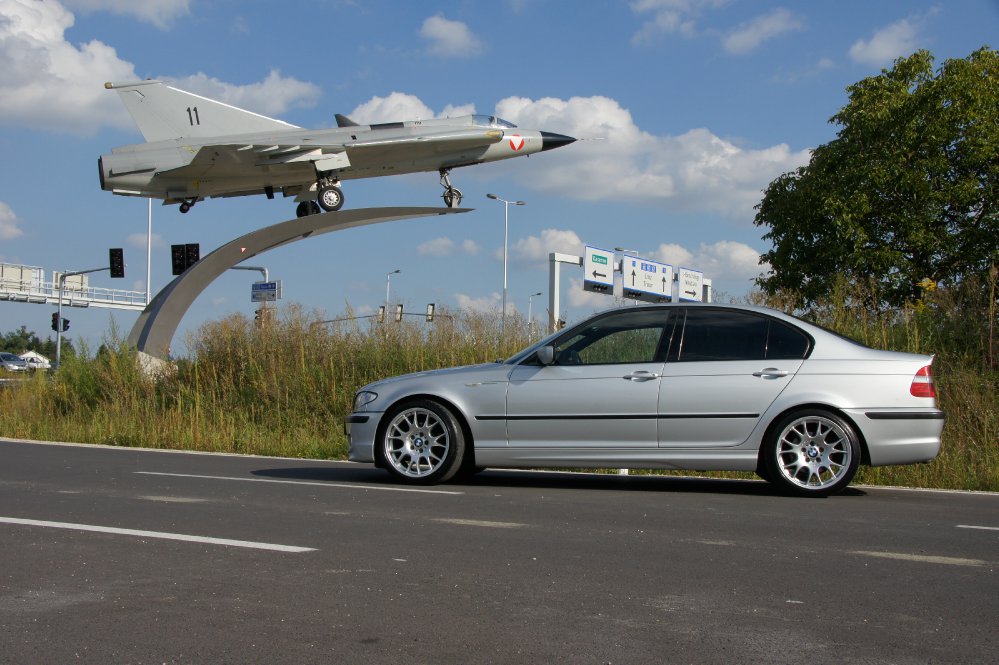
(688, 108)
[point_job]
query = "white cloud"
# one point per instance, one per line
(725, 260)
(588, 299)
(8, 223)
(436, 247)
(899, 39)
(450, 38)
(138, 240)
(397, 106)
(273, 96)
(48, 83)
(160, 13)
(533, 248)
(669, 17)
(485, 304)
(695, 171)
(751, 34)
(400, 106)
(470, 247)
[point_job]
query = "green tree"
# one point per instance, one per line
(906, 191)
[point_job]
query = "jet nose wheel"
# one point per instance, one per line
(330, 198)
(452, 197)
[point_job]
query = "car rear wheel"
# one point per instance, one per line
(421, 442)
(811, 453)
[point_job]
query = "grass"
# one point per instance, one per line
(283, 388)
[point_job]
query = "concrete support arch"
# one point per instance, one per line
(155, 328)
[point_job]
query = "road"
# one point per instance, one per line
(135, 556)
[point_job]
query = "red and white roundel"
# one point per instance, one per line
(516, 142)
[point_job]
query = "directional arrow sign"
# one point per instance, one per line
(647, 280)
(265, 291)
(691, 284)
(598, 270)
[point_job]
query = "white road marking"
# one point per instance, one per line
(173, 499)
(298, 482)
(946, 560)
(981, 528)
(157, 534)
(494, 525)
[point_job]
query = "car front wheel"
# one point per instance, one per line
(421, 442)
(811, 453)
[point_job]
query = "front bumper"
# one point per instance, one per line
(360, 429)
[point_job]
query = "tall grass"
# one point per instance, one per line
(283, 388)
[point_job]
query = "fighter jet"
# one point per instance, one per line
(198, 148)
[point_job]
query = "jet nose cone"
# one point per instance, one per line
(551, 140)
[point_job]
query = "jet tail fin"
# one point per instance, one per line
(163, 112)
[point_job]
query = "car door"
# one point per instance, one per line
(601, 391)
(728, 368)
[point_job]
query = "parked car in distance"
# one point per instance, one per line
(674, 386)
(12, 363)
(36, 363)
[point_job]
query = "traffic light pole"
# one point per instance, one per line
(59, 326)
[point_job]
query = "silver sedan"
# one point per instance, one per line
(676, 386)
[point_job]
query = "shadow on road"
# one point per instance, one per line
(547, 480)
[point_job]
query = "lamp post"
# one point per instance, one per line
(506, 238)
(530, 317)
(388, 285)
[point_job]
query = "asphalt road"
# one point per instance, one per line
(134, 556)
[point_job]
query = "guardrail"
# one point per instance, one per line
(72, 295)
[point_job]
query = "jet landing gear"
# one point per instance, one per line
(306, 208)
(328, 199)
(451, 195)
(187, 204)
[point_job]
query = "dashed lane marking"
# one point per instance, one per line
(300, 482)
(157, 534)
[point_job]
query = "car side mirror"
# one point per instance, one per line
(546, 355)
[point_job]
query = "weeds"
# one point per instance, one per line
(283, 389)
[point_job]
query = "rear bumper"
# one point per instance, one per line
(900, 436)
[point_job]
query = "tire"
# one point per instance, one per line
(303, 209)
(330, 198)
(421, 442)
(811, 453)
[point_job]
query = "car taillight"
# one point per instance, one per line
(922, 384)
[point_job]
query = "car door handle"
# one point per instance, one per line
(771, 373)
(641, 375)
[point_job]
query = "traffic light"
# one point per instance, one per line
(381, 314)
(117, 258)
(398, 313)
(65, 325)
(178, 258)
(258, 317)
(55, 321)
(183, 257)
(430, 312)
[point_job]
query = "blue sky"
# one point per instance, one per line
(699, 105)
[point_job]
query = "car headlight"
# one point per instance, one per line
(363, 398)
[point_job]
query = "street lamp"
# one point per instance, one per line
(388, 285)
(530, 318)
(506, 237)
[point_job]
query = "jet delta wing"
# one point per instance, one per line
(199, 148)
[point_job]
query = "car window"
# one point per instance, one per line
(785, 342)
(624, 337)
(717, 334)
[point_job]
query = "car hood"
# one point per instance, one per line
(449, 371)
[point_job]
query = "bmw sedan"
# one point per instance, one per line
(675, 386)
